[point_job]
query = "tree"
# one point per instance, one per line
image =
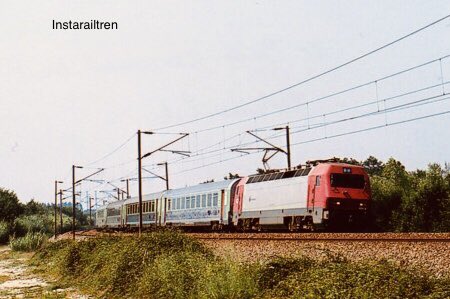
(10, 207)
(373, 166)
(33, 207)
(348, 161)
(231, 176)
(433, 196)
(388, 190)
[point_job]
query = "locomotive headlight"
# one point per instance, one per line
(338, 203)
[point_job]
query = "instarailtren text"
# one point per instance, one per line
(91, 25)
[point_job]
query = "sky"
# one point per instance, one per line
(78, 97)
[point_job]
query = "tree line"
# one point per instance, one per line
(18, 219)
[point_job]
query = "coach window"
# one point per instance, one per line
(318, 180)
(203, 200)
(215, 200)
(209, 200)
(188, 202)
(182, 203)
(192, 202)
(178, 203)
(197, 199)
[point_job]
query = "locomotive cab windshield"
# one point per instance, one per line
(346, 180)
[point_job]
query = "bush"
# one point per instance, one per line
(164, 264)
(4, 232)
(338, 278)
(30, 242)
(33, 224)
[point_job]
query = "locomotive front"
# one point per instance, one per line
(343, 193)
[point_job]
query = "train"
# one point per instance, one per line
(311, 197)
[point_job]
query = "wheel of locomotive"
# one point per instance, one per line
(291, 225)
(309, 224)
(240, 226)
(256, 226)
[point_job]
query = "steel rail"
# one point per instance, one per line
(412, 240)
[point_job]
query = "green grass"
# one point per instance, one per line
(172, 265)
(338, 278)
(29, 242)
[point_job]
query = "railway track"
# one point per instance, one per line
(427, 238)
(305, 237)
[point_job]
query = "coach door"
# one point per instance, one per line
(222, 203)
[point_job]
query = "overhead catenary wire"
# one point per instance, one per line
(321, 98)
(308, 79)
(113, 151)
(408, 105)
(324, 138)
(415, 103)
(199, 153)
(265, 128)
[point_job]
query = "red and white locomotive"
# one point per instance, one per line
(326, 194)
(318, 194)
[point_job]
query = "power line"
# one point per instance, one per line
(356, 106)
(326, 96)
(386, 110)
(201, 153)
(112, 152)
(325, 138)
(309, 79)
(373, 128)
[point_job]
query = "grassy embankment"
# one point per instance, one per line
(171, 265)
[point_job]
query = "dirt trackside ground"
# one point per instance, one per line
(18, 281)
